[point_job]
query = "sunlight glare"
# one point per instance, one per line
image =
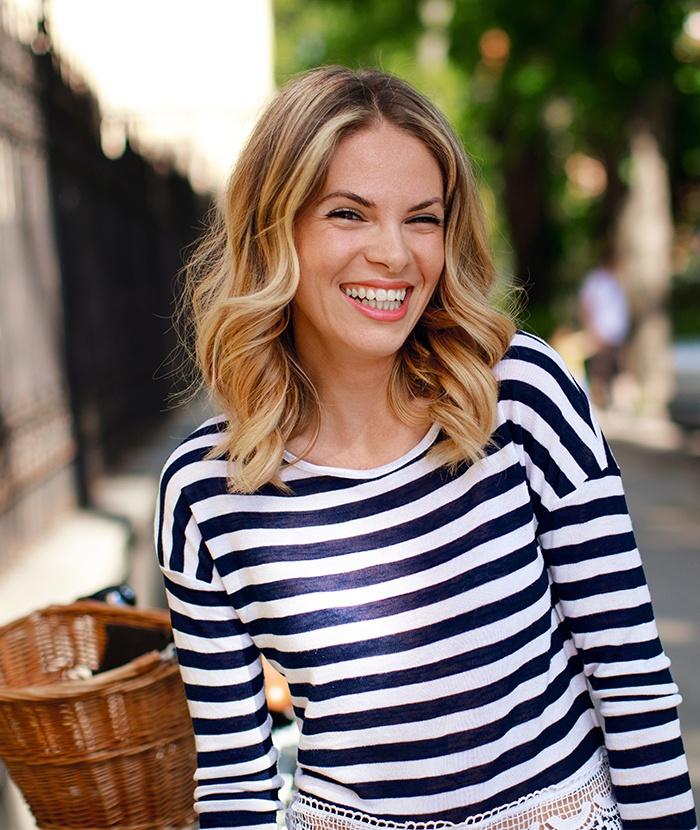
(188, 75)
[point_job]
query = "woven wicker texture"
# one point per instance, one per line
(90, 745)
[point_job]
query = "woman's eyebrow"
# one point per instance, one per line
(347, 194)
(429, 203)
(360, 200)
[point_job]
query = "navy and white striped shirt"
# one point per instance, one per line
(443, 635)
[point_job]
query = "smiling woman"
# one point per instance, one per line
(318, 144)
(377, 228)
(405, 507)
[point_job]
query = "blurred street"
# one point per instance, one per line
(662, 478)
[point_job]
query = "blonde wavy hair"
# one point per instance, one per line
(243, 275)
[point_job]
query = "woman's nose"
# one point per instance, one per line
(388, 248)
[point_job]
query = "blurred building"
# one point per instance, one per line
(89, 251)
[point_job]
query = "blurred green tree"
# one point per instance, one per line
(584, 116)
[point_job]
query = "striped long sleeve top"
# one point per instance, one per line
(453, 641)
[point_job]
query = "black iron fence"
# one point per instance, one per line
(90, 248)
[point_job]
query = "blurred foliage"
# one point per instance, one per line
(544, 95)
(685, 308)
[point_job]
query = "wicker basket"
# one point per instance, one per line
(113, 749)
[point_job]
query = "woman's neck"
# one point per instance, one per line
(358, 428)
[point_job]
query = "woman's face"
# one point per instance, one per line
(371, 248)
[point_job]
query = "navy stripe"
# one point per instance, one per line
(417, 637)
(440, 669)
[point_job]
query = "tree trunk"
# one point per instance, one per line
(526, 205)
(645, 234)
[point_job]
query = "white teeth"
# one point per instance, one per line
(385, 300)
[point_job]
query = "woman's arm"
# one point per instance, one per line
(237, 780)
(598, 585)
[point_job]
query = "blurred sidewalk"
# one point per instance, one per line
(657, 433)
(88, 549)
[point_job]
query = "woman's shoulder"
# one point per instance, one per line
(532, 368)
(192, 456)
(541, 400)
(529, 355)
(534, 382)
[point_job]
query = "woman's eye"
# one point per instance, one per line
(427, 218)
(343, 213)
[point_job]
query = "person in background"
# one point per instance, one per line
(406, 506)
(604, 316)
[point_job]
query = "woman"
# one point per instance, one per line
(407, 508)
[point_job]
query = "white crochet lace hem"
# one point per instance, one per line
(584, 803)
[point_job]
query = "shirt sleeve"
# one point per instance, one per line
(599, 589)
(237, 782)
